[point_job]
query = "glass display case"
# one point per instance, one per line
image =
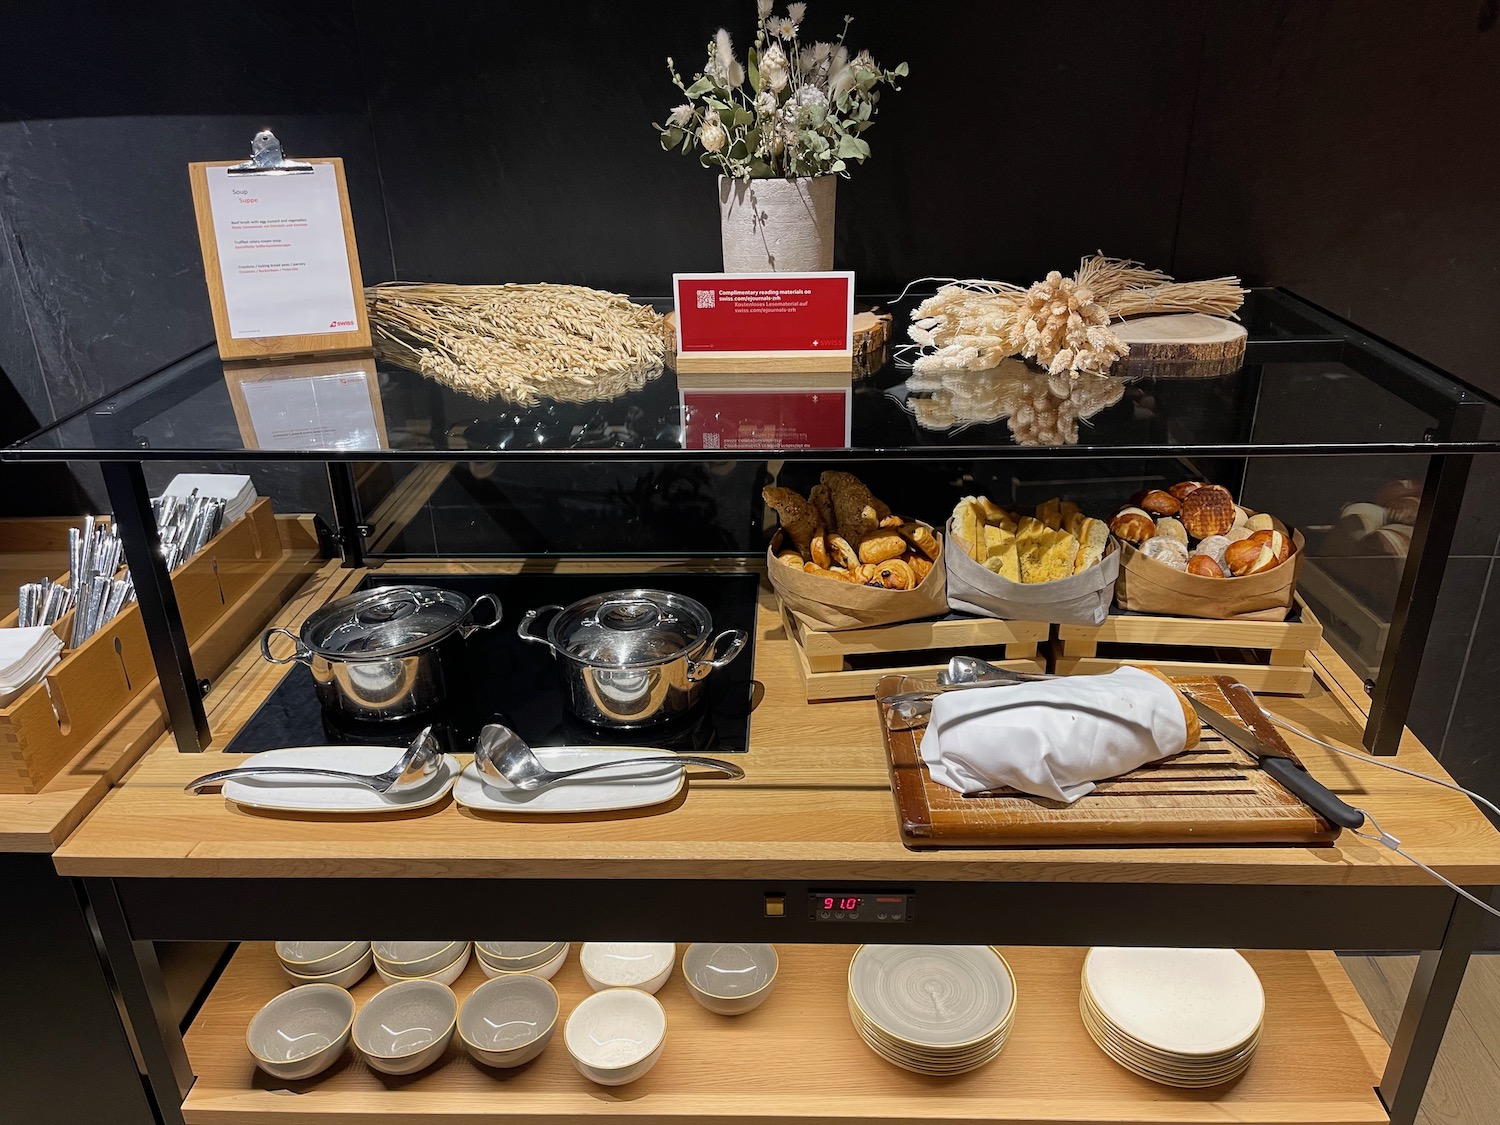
(661, 486)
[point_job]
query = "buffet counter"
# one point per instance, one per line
(736, 860)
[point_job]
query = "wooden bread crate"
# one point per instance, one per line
(1269, 656)
(49, 723)
(847, 664)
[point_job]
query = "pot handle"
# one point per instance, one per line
(301, 652)
(469, 628)
(523, 630)
(699, 669)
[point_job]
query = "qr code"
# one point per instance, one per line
(705, 298)
(710, 441)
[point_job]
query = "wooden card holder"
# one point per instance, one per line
(240, 375)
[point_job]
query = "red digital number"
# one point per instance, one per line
(828, 904)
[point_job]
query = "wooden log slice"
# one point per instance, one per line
(1181, 345)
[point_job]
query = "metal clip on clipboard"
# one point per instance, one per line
(266, 159)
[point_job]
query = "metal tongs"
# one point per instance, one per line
(962, 673)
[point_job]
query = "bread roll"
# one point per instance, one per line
(1208, 511)
(1392, 491)
(1172, 529)
(1215, 546)
(1160, 503)
(1166, 551)
(921, 538)
(1260, 522)
(1204, 567)
(1241, 518)
(1234, 535)
(880, 546)
(1133, 525)
(1403, 510)
(1358, 520)
(1189, 716)
(799, 519)
(1182, 488)
(1280, 545)
(1249, 557)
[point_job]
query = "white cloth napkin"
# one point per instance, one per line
(1054, 738)
(26, 655)
(236, 490)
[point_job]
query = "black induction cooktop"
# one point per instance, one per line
(505, 677)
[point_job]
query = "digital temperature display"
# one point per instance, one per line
(861, 906)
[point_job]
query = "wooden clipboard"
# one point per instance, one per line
(260, 347)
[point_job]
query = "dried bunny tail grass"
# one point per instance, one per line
(1220, 296)
(523, 343)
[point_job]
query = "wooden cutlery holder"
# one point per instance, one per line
(53, 720)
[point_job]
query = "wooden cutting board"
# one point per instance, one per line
(1213, 794)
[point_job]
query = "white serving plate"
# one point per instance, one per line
(330, 795)
(606, 790)
(1176, 1002)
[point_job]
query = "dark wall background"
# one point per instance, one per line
(1347, 149)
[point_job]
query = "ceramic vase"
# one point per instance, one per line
(777, 225)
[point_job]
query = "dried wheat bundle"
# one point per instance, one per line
(1060, 322)
(523, 343)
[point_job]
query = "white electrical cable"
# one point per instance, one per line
(1385, 837)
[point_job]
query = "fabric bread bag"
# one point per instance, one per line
(1081, 593)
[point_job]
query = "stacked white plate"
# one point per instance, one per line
(932, 1009)
(1181, 1017)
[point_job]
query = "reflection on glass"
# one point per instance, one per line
(562, 427)
(1040, 409)
(326, 405)
(767, 411)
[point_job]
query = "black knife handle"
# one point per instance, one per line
(1317, 796)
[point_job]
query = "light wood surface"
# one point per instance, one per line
(262, 347)
(798, 1057)
(815, 803)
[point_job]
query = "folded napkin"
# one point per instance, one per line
(26, 655)
(235, 489)
(1053, 738)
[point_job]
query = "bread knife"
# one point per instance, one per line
(1287, 773)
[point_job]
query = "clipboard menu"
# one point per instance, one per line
(280, 258)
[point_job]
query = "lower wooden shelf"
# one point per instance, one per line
(797, 1057)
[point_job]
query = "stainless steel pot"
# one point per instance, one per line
(631, 658)
(384, 654)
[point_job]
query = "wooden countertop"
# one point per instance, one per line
(815, 804)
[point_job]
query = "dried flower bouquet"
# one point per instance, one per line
(792, 110)
(1062, 323)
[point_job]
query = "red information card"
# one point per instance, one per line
(756, 313)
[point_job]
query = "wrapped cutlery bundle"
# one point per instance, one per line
(26, 655)
(234, 489)
(1056, 738)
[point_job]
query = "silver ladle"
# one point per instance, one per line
(962, 673)
(508, 763)
(422, 760)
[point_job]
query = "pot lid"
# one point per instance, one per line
(629, 627)
(385, 621)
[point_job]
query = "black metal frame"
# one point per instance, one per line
(134, 912)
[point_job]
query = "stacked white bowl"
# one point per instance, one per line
(439, 961)
(539, 959)
(1181, 1017)
(341, 963)
(932, 1009)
